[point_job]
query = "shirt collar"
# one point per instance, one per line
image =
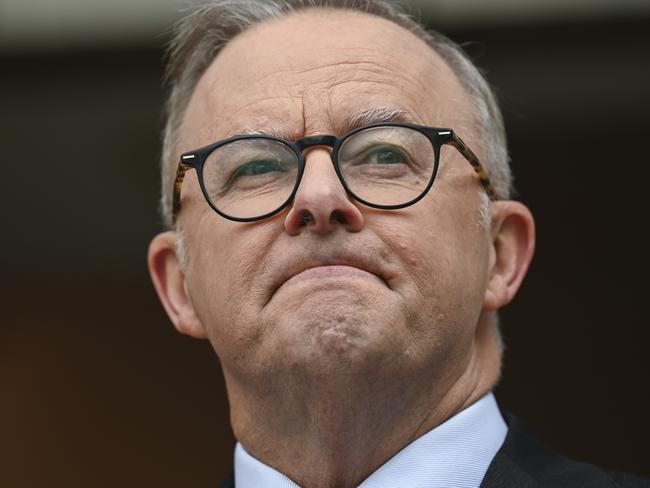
(456, 453)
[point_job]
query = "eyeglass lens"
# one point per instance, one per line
(387, 165)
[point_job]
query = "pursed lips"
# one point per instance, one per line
(330, 271)
(336, 270)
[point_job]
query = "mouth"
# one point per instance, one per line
(334, 272)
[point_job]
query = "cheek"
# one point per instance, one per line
(226, 260)
(443, 257)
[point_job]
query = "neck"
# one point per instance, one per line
(336, 430)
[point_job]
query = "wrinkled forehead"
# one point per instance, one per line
(310, 72)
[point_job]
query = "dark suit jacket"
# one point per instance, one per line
(523, 462)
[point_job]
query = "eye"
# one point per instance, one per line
(386, 155)
(259, 167)
(383, 155)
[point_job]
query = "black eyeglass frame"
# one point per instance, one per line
(437, 136)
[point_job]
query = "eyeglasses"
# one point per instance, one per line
(387, 165)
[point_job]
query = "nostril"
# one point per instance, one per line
(338, 217)
(307, 218)
(322, 216)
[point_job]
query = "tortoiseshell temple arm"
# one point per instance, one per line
(482, 173)
(178, 183)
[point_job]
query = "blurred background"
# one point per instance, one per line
(96, 388)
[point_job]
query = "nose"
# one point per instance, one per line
(321, 204)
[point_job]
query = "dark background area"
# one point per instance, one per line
(97, 389)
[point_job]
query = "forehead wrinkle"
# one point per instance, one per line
(293, 85)
(274, 114)
(287, 62)
(352, 121)
(251, 104)
(348, 70)
(286, 116)
(371, 63)
(288, 84)
(412, 89)
(427, 78)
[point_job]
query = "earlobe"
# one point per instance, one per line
(513, 245)
(169, 281)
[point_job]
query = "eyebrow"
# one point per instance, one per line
(357, 119)
(376, 115)
(282, 134)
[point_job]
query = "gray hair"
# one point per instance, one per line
(200, 36)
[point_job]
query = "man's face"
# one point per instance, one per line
(354, 289)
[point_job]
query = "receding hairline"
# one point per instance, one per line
(322, 11)
(347, 14)
(369, 114)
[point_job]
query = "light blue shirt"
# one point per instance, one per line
(455, 454)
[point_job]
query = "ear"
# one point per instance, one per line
(513, 244)
(169, 280)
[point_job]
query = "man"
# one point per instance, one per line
(350, 299)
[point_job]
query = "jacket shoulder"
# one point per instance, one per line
(629, 480)
(523, 461)
(229, 480)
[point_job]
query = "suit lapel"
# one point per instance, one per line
(503, 472)
(228, 481)
(520, 459)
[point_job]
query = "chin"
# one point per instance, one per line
(334, 340)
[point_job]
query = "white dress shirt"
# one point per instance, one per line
(456, 454)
